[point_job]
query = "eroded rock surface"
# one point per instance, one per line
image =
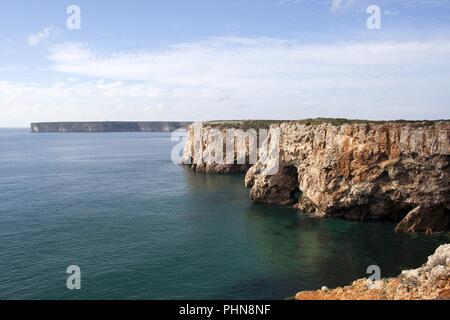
(205, 148)
(429, 282)
(396, 171)
(358, 170)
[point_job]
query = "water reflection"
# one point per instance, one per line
(281, 251)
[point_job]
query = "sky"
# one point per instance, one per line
(196, 60)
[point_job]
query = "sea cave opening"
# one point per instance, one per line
(401, 213)
(291, 173)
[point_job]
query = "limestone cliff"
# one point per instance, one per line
(201, 145)
(108, 126)
(429, 282)
(357, 170)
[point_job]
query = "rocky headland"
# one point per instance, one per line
(108, 126)
(354, 169)
(429, 282)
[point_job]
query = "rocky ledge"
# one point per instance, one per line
(429, 282)
(361, 170)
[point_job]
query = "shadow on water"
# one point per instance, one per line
(297, 252)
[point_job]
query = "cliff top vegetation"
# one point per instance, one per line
(260, 124)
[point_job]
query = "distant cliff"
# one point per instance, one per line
(108, 126)
(361, 170)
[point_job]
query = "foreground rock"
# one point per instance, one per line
(430, 282)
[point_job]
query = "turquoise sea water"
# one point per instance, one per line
(140, 227)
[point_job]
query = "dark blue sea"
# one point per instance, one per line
(141, 227)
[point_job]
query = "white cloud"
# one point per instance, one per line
(287, 3)
(390, 13)
(12, 68)
(238, 78)
(44, 34)
(419, 3)
(338, 4)
(22, 103)
(335, 4)
(237, 62)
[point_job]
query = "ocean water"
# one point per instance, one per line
(141, 227)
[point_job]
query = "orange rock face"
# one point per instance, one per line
(430, 282)
(397, 171)
(394, 170)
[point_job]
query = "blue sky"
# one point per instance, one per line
(202, 60)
